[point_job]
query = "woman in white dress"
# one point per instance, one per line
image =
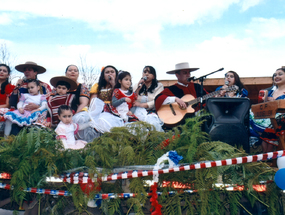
(147, 89)
(101, 95)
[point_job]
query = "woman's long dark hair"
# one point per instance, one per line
(4, 84)
(154, 82)
(102, 82)
(237, 80)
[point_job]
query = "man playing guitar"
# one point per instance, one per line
(183, 87)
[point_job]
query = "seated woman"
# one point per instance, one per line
(147, 89)
(31, 71)
(23, 117)
(263, 127)
(79, 104)
(101, 96)
(5, 90)
(231, 79)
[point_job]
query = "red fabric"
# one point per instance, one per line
(55, 102)
(61, 137)
(190, 89)
(119, 94)
(159, 101)
(90, 187)
(156, 207)
(8, 90)
(77, 128)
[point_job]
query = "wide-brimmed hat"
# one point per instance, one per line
(54, 80)
(21, 67)
(181, 66)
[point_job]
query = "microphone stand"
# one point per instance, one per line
(201, 80)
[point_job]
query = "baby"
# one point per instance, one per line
(66, 129)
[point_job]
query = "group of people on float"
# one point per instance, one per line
(79, 115)
(110, 102)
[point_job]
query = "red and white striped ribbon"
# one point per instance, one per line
(83, 178)
(227, 162)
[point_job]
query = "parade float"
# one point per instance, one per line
(137, 170)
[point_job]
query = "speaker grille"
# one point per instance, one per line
(230, 121)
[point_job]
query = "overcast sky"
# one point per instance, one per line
(247, 36)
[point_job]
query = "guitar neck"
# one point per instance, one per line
(197, 100)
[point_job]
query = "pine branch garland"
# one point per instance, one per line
(35, 154)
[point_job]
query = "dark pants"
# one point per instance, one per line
(15, 129)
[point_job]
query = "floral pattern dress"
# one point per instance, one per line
(263, 129)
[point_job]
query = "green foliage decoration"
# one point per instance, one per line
(35, 154)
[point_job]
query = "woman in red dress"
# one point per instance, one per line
(5, 90)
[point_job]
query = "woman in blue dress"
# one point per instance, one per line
(232, 79)
(263, 127)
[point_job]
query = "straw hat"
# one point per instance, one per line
(22, 67)
(54, 80)
(181, 66)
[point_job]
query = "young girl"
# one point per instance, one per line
(62, 86)
(123, 98)
(66, 129)
(21, 116)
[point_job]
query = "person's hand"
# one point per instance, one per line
(19, 82)
(231, 94)
(21, 110)
(128, 100)
(141, 83)
(35, 110)
(129, 113)
(181, 103)
(223, 91)
(224, 87)
(48, 124)
(111, 80)
(137, 104)
(31, 106)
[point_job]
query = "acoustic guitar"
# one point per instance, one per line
(172, 114)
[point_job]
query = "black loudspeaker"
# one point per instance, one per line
(230, 121)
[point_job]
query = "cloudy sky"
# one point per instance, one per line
(247, 36)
